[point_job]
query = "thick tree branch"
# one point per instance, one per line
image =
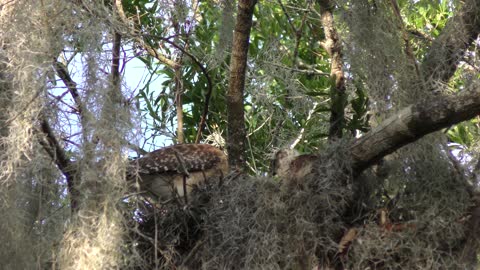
(236, 133)
(447, 50)
(411, 124)
(59, 157)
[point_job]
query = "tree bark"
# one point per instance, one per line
(236, 134)
(333, 47)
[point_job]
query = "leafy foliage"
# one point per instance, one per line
(288, 87)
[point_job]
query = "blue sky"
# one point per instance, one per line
(135, 75)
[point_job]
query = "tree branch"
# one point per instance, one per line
(117, 38)
(203, 119)
(415, 121)
(448, 49)
(411, 124)
(179, 101)
(62, 72)
(59, 157)
(138, 38)
(406, 40)
(179, 88)
(208, 95)
(333, 46)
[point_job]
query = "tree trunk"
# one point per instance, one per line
(236, 135)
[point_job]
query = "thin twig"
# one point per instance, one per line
(62, 72)
(302, 68)
(59, 99)
(408, 47)
(71, 85)
(138, 38)
(289, 20)
(261, 126)
(302, 131)
(179, 88)
(208, 95)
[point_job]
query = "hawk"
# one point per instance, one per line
(292, 167)
(173, 171)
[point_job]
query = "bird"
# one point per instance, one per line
(292, 167)
(173, 171)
